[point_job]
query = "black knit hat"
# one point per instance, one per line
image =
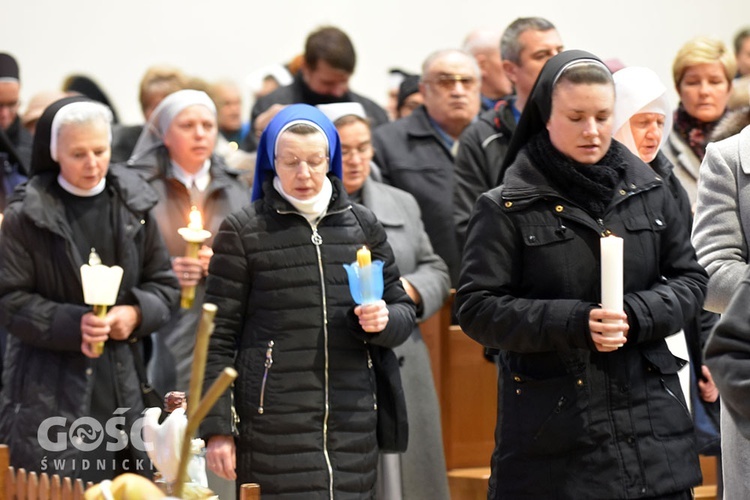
(409, 86)
(8, 67)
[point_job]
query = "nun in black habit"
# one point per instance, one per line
(586, 409)
(53, 381)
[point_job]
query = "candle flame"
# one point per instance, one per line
(196, 220)
(94, 259)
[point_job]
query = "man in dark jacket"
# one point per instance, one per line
(14, 157)
(525, 46)
(416, 153)
(328, 65)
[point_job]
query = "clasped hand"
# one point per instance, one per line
(373, 317)
(608, 336)
(118, 324)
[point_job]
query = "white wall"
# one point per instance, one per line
(114, 42)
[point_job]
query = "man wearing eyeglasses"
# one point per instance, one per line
(15, 149)
(525, 46)
(416, 153)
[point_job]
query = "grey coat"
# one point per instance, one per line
(686, 164)
(422, 467)
(722, 221)
(722, 217)
(170, 367)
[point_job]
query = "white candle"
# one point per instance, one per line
(612, 282)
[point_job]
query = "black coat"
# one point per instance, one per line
(481, 151)
(305, 392)
(413, 157)
(573, 422)
(41, 304)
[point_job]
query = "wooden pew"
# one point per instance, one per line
(32, 486)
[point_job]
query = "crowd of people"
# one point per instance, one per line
(496, 171)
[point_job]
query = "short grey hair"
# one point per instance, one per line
(510, 47)
(439, 54)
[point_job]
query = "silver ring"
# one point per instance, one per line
(186, 275)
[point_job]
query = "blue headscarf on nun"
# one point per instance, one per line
(296, 113)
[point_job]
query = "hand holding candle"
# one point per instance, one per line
(365, 277)
(100, 287)
(194, 235)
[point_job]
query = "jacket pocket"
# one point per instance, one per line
(668, 411)
(551, 414)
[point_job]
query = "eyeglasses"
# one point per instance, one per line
(361, 150)
(449, 82)
(315, 163)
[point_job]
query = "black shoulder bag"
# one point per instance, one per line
(393, 425)
(151, 398)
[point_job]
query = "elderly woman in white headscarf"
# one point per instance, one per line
(73, 202)
(642, 122)
(175, 153)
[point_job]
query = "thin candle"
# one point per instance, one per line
(220, 385)
(194, 236)
(200, 353)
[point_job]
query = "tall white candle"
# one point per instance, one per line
(612, 282)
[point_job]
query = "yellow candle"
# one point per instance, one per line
(194, 235)
(364, 257)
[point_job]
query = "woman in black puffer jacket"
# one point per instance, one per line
(305, 396)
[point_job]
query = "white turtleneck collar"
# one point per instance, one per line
(83, 193)
(312, 208)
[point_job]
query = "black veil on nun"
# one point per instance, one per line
(538, 108)
(41, 157)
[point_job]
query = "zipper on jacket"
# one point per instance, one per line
(603, 228)
(317, 240)
(373, 382)
(673, 395)
(267, 364)
(556, 411)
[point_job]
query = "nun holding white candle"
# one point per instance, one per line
(589, 402)
(74, 202)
